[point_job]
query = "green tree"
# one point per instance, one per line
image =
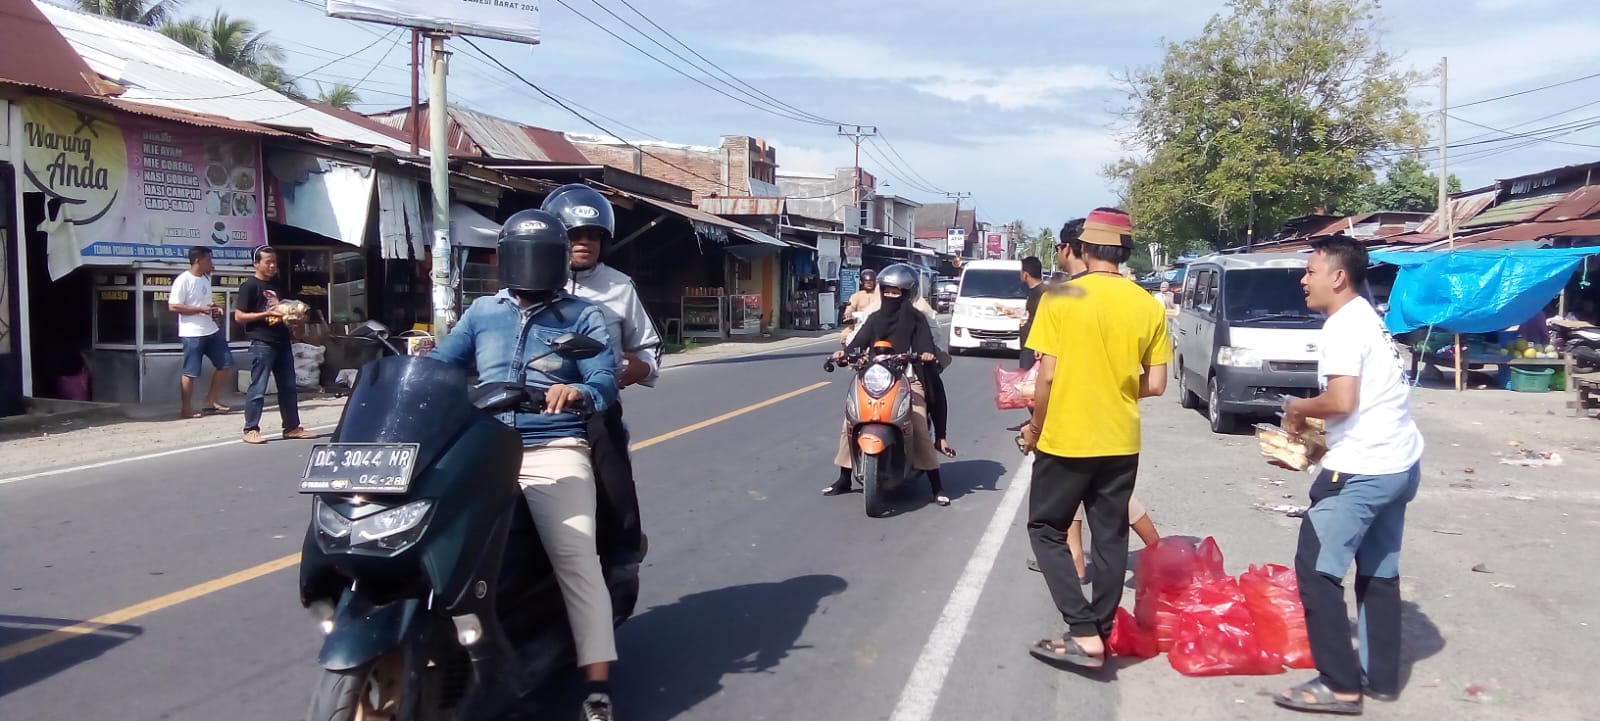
(341, 96)
(236, 44)
(1408, 186)
(154, 14)
(1278, 106)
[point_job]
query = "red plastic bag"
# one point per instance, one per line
(1217, 636)
(1167, 571)
(1013, 388)
(1127, 639)
(1272, 595)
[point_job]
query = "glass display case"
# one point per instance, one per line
(704, 317)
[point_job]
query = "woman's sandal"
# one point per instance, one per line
(941, 499)
(1065, 650)
(1323, 700)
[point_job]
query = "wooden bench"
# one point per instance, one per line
(1587, 387)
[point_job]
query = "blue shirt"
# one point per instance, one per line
(498, 337)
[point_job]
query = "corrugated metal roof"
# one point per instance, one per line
(477, 133)
(157, 70)
(1534, 231)
(1462, 209)
(1581, 203)
(183, 116)
(1514, 211)
(35, 54)
(743, 206)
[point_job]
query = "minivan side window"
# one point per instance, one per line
(1213, 279)
(1190, 290)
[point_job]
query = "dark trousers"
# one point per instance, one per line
(275, 361)
(1361, 519)
(618, 530)
(1103, 486)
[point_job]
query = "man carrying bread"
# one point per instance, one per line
(1369, 474)
(262, 309)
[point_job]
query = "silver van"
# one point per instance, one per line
(1244, 336)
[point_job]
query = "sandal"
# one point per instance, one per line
(836, 490)
(941, 499)
(1324, 700)
(1065, 650)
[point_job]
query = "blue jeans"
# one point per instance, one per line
(1360, 519)
(274, 360)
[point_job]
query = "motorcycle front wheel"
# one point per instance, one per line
(873, 490)
(369, 692)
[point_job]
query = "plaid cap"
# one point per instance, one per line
(1108, 227)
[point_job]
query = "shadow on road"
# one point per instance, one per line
(33, 667)
(1420, 639)
(675, 656)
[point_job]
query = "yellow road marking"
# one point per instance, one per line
(124, 615)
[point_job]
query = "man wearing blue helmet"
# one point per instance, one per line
(591, 224)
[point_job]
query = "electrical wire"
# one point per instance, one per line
(1525, 92)
(1510, 135)
(867, 150)
(908, 166)
(264, 88)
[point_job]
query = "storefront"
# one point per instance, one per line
(12, 378)
(118, 200)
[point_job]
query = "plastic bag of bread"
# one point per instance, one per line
(1297, 452)
(292, 310)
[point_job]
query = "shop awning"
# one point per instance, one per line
(709, 224)
(472, 229)
(327, 197)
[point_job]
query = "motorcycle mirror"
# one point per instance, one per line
(575, 346)
(371, 329)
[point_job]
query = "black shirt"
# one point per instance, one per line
(256, 296)
(1035, 294)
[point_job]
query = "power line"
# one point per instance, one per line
(1525, 92)
(729, 75)
(1509, 135)
(680, 71)
(485, 61)
(612, 134)
(916, 179)
(912, 170)
(898, 177)
(301, 76)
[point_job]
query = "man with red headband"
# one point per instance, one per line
(1103, 346)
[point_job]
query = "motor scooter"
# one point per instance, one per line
(879, 422)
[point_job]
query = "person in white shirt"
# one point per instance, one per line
(202, 338)
(1371, 471)
(591, 225)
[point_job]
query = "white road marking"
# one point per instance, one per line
(133, 459)
(921, 693)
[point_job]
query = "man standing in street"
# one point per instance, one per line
(197, 327)
(1103, 346)
(271, 348)
(1358, 512)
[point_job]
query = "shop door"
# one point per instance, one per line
(60, 312)
(10, 307)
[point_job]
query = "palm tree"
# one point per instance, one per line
(341, 96)
(237, 45)
(154, 14)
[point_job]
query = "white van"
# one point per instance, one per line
(1244, 337)
(978, 322)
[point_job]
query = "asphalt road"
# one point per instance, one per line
(763, 600)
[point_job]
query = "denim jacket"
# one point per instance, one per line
(490, 337)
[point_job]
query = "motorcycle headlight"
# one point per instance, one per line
(877, 380)
(392, 529)
(1238, 357)
(329, 522)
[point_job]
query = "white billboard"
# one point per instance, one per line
(955, 240)
(514, 20)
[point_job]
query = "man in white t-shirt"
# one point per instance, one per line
(202, 338)
(1358, 512)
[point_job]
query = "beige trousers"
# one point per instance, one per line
(558, 481)
(923, 455)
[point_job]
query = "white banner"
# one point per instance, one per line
(514, 20)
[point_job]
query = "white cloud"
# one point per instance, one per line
(1516, 60)
(809, 159)
(1014, 88)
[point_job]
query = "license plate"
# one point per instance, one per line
(993, 345)
(372, 468)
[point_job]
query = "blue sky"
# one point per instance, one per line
(1014, 101)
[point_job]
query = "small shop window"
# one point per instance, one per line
(348, 296)
(479, 276)
(160, 323)
(116, 316)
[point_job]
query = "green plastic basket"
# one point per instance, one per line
(1531, 380)
(1558, 382)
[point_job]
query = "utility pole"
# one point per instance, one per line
(982, 242)
(439, 167)
(856, 134)
(1446, 215)
(416, 90)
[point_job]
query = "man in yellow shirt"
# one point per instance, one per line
(1103, 347)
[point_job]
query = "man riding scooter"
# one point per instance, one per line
(499, 335)
(591, 225)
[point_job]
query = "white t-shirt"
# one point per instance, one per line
(1380, 437)
(193, 291)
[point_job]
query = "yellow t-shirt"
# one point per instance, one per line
(1103, 332)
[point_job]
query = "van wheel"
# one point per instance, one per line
(1186, 398)
(1221, 423)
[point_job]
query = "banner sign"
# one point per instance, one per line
(513, 20)
(955, 240)
(997, 249)
(132, 189)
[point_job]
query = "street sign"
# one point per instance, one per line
(513, 20)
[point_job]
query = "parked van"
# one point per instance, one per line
(979, 323)
(1244, 336)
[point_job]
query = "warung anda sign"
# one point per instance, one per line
(514, 20)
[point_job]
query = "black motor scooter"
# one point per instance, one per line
(421, 564)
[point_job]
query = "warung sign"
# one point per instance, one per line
(514, 20)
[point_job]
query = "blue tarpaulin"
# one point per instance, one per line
(1476, 291)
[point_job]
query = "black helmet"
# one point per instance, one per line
(869, 274)
(580, 206)
(900, 276)
(532, 253)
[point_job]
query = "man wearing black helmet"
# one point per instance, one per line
(591, 224)
(861, 302)
(499, 336)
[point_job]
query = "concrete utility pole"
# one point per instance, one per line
(982, 242)
(444, 300)
(1445, 215)
(856, 134)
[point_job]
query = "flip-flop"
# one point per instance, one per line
(1324, 700)
(191, 415)
(941, 499)
(1070, 653)
(219, 408)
